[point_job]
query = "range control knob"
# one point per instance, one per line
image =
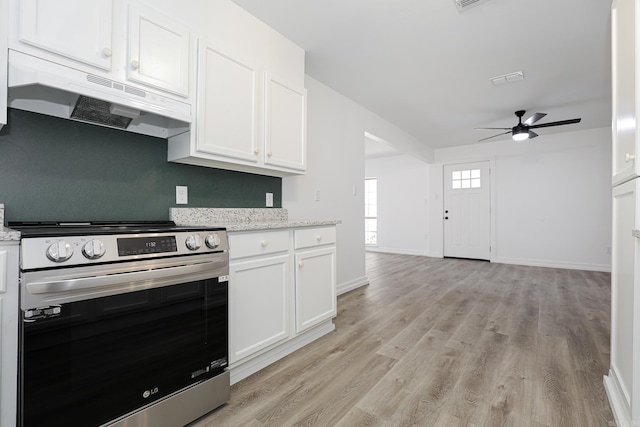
(193, 242)
(59, 251)
(93, 249)
(212, 241)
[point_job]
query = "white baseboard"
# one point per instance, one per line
(503, 260)
(244, 369)
(617, 401)
(352, 284)
(396, 251)
(553, 264)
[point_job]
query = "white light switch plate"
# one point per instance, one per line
(182, 195)
(269, 200)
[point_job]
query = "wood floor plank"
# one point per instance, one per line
(444, 342)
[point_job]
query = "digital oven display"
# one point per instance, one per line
(146, 245)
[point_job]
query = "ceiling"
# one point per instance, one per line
(425, 66)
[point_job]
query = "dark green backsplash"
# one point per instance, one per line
(56, 169)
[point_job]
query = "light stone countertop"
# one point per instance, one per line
(277, 225)
(242, 219)
(7, 234)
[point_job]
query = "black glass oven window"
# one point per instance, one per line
(103, 358)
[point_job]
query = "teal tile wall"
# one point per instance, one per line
(56, 169)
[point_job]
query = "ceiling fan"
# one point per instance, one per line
(522, 130)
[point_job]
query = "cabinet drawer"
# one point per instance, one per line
(310, 237)
(252, 244)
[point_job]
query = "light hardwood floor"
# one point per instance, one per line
(445, 342)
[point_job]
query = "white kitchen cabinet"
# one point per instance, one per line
(624, 91)
(8, 332)
(315, 287)
(258, 305)
(4, 25)
(274, 308)
(622, 383)
(259, 292)
(246, 119)
(315, 276)
(285, 126)
(121, 40)
(75, 29)
(227, 105)
(158, 51)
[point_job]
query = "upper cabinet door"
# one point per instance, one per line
(285, 124)
(624, 102)
(76, 29)
(158, 53)
(227, 121)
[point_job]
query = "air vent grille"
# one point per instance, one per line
(134, 91)
(98, 80)
(116, 86)
(465, 4)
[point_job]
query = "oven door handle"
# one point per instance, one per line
(137, 280)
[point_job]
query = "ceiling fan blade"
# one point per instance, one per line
(531, 120)
(561, 122)
(500, 134)
(532, 134)
(492, 128)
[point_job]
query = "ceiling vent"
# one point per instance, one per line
(466, 4)
(507, 78)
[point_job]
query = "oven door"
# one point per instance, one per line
(89, 361)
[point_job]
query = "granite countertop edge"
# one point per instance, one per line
(275, 225)
(8, 235)
(278, 225)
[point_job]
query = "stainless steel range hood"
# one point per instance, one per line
(45, 87)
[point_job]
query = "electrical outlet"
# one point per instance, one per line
(609, 250)
(269, 201)
(182, 195)
(317, 195)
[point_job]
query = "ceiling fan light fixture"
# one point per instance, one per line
(520, 134)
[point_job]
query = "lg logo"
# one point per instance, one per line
(151, 392)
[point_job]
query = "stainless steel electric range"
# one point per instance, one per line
(122, 324)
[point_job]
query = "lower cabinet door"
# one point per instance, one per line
(315, 287)
(624, 317)
(258, 305)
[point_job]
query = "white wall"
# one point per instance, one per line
(552, 198)
(403, 214)
(335, 166)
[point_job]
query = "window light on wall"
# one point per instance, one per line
(371, 211)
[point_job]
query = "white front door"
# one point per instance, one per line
(467, 210)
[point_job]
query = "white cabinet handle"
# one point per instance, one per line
(264, 243)
(107, 52)
(629, 158)
(269, 154)
(301, 264)
(256, 151)
(319, 237)
(135, 64)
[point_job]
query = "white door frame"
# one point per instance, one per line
(439, 196)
